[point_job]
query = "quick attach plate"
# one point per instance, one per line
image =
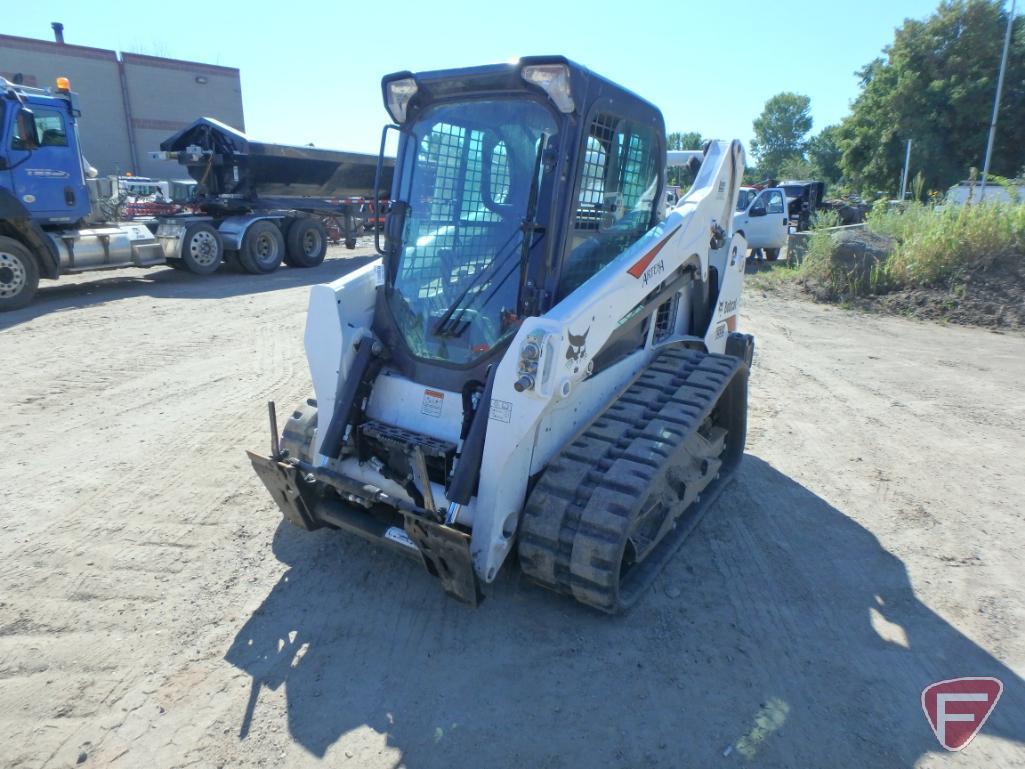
(446, 554)
(283, 483)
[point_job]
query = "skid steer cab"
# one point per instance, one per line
(544, 358)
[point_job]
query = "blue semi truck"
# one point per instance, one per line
(257, 204)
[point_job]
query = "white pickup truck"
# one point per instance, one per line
(762, 217)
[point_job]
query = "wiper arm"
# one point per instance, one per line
(448, 326)
(441, 327)
(529, 225)
(456, 329)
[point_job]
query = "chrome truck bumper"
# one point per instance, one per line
(311, 498)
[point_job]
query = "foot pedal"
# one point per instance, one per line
(446, 553)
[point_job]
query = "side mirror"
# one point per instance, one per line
(25, 121)
(757, 211)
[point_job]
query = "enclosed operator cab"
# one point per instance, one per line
(514, 184)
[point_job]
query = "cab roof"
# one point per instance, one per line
(585, 85)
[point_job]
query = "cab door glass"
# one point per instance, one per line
(774, 205)
(49, 131)
(744, 198)
(616, 198)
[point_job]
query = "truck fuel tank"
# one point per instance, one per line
(126, 245)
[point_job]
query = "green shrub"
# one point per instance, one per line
(929, 246)
(935, 247)
(825, 219)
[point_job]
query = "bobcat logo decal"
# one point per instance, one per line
(577, 347)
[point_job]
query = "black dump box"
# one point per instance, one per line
(227, 162)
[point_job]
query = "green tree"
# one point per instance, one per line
(798, 168)
(685, 140)
(780, 131)
(682, 140)
(824, 153)
(935, 85)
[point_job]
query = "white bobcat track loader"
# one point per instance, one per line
(543, 358)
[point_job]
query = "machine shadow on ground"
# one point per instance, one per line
(167, 283)
(782, 634)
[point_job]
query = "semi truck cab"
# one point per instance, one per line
(55, 218)
(40, 157)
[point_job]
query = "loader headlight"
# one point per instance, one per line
(399, 94)
(531, 368)
(554, 79)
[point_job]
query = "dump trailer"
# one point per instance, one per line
(248, 189)
(54, 213)
(545, 360)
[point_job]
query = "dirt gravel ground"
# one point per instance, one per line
(155, 613)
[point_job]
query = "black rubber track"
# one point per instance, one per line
(618, 500)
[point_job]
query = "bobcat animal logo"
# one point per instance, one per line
(577, 350)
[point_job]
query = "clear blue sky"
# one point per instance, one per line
(311, 72)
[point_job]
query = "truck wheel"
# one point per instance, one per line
(263, 248)
(202, 249)
(306, 243)
(231, 260)
(19, 275)
(772, 254)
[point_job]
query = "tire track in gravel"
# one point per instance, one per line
(144, 530)
(154, 613)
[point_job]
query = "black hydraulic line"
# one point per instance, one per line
(464, 479)
(333, 436)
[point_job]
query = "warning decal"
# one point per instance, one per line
(432, 403)
(501, 411)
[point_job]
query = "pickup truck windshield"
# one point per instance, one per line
(456, 286)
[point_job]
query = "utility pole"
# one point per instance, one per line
(996, 101)
(904, 176)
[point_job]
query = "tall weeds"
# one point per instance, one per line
(938, 247)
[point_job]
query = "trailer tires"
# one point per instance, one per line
(202, 248)
(306, 243)
(19, 275)
(232, 262)
(263, 248)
